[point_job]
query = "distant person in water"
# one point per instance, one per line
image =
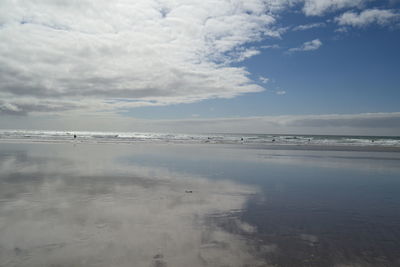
(74, 136)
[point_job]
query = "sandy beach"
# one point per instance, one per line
(196, 205)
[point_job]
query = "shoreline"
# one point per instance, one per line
(262, 146)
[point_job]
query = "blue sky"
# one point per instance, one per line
(352, 72)
(147, 64)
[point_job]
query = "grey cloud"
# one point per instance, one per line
(356, 121)
(369, 123)
(9, 109)
(22, 109)
(367, 120)
(366, 124)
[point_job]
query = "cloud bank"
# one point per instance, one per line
(358, 124)
(86, 57)
(147, 51)
(318, 122)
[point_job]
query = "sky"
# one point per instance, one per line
(261, 66)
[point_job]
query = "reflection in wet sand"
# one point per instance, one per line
(91, 211)
(197, 205)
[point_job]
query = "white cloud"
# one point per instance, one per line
(105, 56)
(367, 17)
(244, 54)
(319, 7)
(342, 29)
(309, 26)
(280, 92)
(263, 79)
(307, 46)
(274, 46)
(78, 55)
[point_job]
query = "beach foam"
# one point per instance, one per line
(131, 137)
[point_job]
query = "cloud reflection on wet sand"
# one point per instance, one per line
(88, 210)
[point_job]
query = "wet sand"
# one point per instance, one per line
(197, 205)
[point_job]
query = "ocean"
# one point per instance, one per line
(214, 138)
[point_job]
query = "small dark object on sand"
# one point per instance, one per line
(188, 191)
(17, 250)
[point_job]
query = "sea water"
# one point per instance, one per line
(218, 138)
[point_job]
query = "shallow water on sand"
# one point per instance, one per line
(197, 205)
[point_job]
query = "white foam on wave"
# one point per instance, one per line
(131, 137)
